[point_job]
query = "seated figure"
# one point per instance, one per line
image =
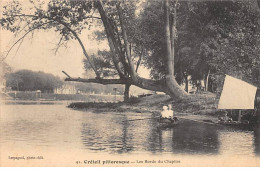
(165, 112)
(170, 111)
(225, 118)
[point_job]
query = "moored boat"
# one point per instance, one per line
(236, 94)
(237, 125)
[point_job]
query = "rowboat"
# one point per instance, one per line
(167, 123)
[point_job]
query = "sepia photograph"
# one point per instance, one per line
(129, 83)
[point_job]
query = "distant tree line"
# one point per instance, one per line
(26, 80)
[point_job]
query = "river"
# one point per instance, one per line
(53, 125)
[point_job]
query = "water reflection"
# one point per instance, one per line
(144, 135)
(191, 138)
(236, 143)
(60, 127)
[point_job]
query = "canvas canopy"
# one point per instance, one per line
(237, 94)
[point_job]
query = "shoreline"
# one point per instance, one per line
(191, 109)
(200, 107)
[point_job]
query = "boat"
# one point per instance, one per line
(243, 125)
(236, 94)
(167, 123)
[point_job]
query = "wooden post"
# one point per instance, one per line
(239, 116)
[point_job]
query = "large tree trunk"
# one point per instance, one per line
(174, 89)
(126, 92)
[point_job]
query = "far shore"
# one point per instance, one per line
(33, 96)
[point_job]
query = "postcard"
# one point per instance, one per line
(130, 83)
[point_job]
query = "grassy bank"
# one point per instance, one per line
(197, 107)
(197, 104)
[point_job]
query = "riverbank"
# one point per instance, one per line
(200, 107)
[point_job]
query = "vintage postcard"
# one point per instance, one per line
(129, 83)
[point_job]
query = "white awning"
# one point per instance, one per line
(237, 94)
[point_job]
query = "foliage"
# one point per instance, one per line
(216, 36)
(26, 80)
(103, 62)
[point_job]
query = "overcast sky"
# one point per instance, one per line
(37, 53)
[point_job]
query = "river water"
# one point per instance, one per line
(53, 125)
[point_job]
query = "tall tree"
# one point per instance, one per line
(214, 37)
(69, 18)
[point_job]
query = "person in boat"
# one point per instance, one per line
(225, 118)
(165, 112)
(170, 111)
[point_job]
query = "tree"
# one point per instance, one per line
(69, 18)
(214, 37)
(26, 80)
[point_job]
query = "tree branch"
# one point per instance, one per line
(72, 31)
(139, 61)
(154, 85)
(66, 74)
(121, 55)
(30, 30)
(82, 46)
(98, 80)
(79, 40)
(111, 39)
(58, 45)
(127, 45)
(18, 47)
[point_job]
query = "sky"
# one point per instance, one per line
(38, 53)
